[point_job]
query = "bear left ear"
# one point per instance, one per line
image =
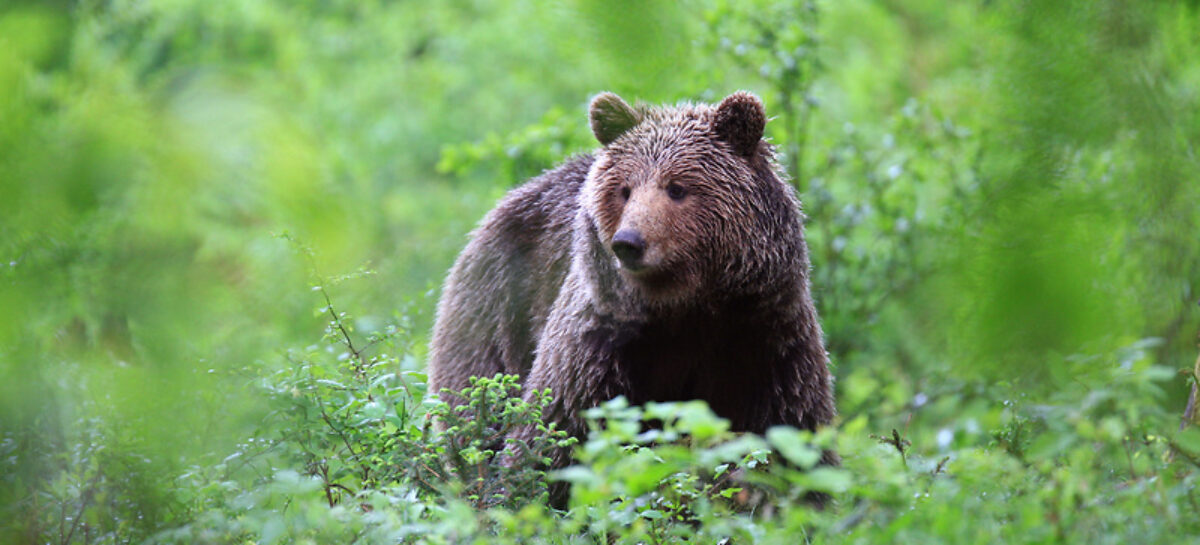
(740, 121)
(611, 117)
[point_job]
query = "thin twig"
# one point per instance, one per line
(1189, 412)
(1175, 448)
(337, 322)
(343, 487)
(1129, 458)
(325, 477)
(87, 498)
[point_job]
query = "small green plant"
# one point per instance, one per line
(462, 457)
(356, 423)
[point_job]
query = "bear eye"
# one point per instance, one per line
(625, 193)
(676, 192)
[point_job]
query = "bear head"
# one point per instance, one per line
(681, 197)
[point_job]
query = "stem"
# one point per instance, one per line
(1129, 458)
(1189, 412)
(328, 487)
(337, 322)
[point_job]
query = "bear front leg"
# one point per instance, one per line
(576, 361)
(800, 377)
(806, 401)
(578, 366)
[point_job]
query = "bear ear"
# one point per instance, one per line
(740, 121)
(611, 117)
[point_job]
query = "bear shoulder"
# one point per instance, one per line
(500, 289)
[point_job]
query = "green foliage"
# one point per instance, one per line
(1001, 217)
(359, 452)
(465, 453)
(522, 154)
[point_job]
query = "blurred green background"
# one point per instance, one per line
(1001, 200)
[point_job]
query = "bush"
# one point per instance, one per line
(1001, 212)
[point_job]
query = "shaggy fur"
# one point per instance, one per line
(715, 306)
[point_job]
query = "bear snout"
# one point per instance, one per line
(629, 247)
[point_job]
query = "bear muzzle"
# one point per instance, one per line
(629, 247)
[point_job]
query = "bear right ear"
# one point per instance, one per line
(740, 121)
(611, 117)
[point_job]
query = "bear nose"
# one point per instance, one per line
(629, 246)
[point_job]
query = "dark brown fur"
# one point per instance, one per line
(718, 308)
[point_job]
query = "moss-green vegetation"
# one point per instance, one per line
(1002, 212)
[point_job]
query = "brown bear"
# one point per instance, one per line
(670, 265)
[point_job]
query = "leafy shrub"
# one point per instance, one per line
(464, 454)
(351, 428)
(1001, 203)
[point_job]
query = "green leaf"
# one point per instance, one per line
(574, 474)
(827, 479)
(1189, 440)
(651, 514)
(794, 445)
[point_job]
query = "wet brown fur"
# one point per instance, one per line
(720, 312)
